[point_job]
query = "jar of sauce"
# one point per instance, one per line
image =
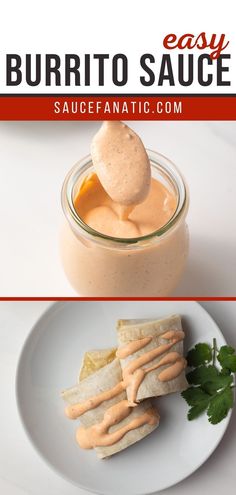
(148, 265)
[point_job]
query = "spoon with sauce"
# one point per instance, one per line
(122, 165)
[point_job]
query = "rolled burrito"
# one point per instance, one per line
(108, 423)
(151, 356)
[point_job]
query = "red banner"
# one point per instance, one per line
(131, 107)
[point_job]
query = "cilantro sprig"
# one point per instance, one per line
(210, 383)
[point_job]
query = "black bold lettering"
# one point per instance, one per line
(13, 72)
(220, 69)
(53, 63)
(204, 81)
(72, 69)
(87, 69)
(189, 79)
(28, 70)
(166, 65)
(120, 57)
(150, 81)
(101, 58)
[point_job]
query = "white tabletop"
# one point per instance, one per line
(22, 471)
(34, 159)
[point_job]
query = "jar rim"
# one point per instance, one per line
(167, 167)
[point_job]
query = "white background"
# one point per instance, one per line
(23, 472)
(34, 159)
(132, 27)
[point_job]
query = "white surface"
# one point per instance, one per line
(50, 362)
(34, 159)
(113, 27)
(21, 469)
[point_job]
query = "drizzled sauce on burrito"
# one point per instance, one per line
(133, 374)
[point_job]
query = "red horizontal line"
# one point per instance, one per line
(117, 299)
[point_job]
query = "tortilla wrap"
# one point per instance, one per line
(129, 330)
(104, 379)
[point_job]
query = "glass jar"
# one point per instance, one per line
(98, 265)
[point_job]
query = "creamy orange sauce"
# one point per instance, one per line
(131, 347)
(178, 363)
(121, 163)
(173, 335)
(134, 380)
(146, 358)
(98, 435)
(135, 345)
(76, 410)
(133, 373)
(122, 201)
(98, 210)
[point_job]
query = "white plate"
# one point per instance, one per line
(49, 363)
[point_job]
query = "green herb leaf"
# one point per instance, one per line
(202, 374)
(200, 354)
(211, 387)
(220, 405)
(220, 382)
(194, 395)
(209, 378)
(195, 411)
(227, 358)
(225, 371)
